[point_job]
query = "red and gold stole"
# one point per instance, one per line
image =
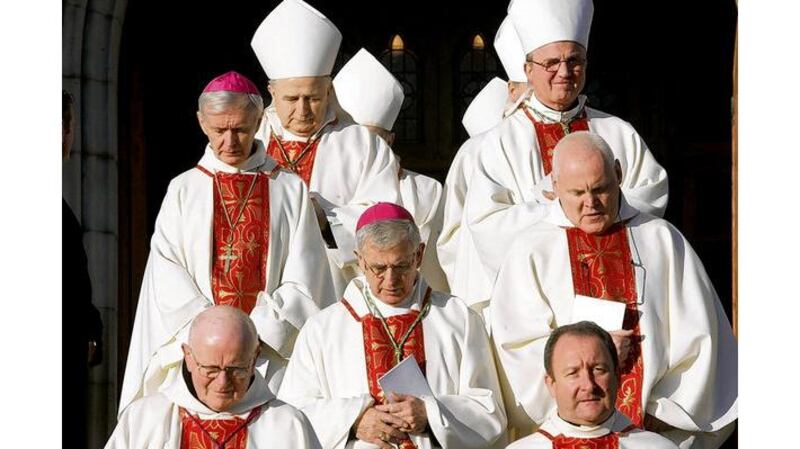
(608, 441)
(548, 135)
(295, 156)
(239, 264)
(602, 268)
(379, 351)
(215, 433)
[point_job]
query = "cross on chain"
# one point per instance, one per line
(228, 256)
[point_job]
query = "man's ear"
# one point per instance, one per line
(187, 358)
(420, 254)
(551, 387)
(618, 171)
(201, 122)
(528, 67)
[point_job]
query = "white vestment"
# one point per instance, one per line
(457, 253)
(353, 169)
(422, 196)
(505, 196)
(633, 439)
(327, 379)
(177, 283)
(154, 421)
(688, 348)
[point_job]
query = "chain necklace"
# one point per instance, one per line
(229, 256)
(565, 123)
(294, 162)
(396, 346)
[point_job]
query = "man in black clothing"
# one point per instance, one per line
(82, 329)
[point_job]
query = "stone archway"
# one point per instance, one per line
(91, 34)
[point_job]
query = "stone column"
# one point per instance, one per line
(91, 34)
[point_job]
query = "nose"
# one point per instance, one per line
(563, 70)
(303, 107)
(393, 275)
(586, 381)
(227, 139)
(589, 201)
(223, 378)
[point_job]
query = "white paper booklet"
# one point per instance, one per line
(405, 378)
(606, 313)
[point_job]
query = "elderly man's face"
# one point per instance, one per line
(301, 103)
(391, 271)
(234, 359)
(584, 382)
(588, 191)
(230, 132)
(558, 89)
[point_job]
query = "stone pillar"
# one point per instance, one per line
(91, 35)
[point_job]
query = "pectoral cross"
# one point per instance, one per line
(228, 256)
(564, 127)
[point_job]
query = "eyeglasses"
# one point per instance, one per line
(211, 372)
(402, 269)
(552, 65)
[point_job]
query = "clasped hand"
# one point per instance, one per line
(391, 423)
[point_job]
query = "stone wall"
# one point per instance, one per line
(91, 33)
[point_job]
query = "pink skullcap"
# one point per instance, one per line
(383, 212)
(232, 82)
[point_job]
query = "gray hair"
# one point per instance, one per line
(580, 329)
(388, 233)
(590, 140)
(222, 100)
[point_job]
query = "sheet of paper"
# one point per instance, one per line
(405, 378)
(606, 313)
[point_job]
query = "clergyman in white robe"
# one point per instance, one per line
(422, 196)
(352, 169)
(505, 199)
(688, 349)
(327, 375)
(177, 283)
(616, 431)
(156, 420)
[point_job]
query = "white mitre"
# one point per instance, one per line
(486, 109)
(296, 40)
(540, 22)
(509, 49)
(369, 92)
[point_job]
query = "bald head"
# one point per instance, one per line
(579, 148)
(221, 356)
(223, 325)
(586, 180)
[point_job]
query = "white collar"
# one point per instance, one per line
(257, 394)
(354, 294)
(551, 115)
(258, 161)
(615, 423)
(274, 123)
